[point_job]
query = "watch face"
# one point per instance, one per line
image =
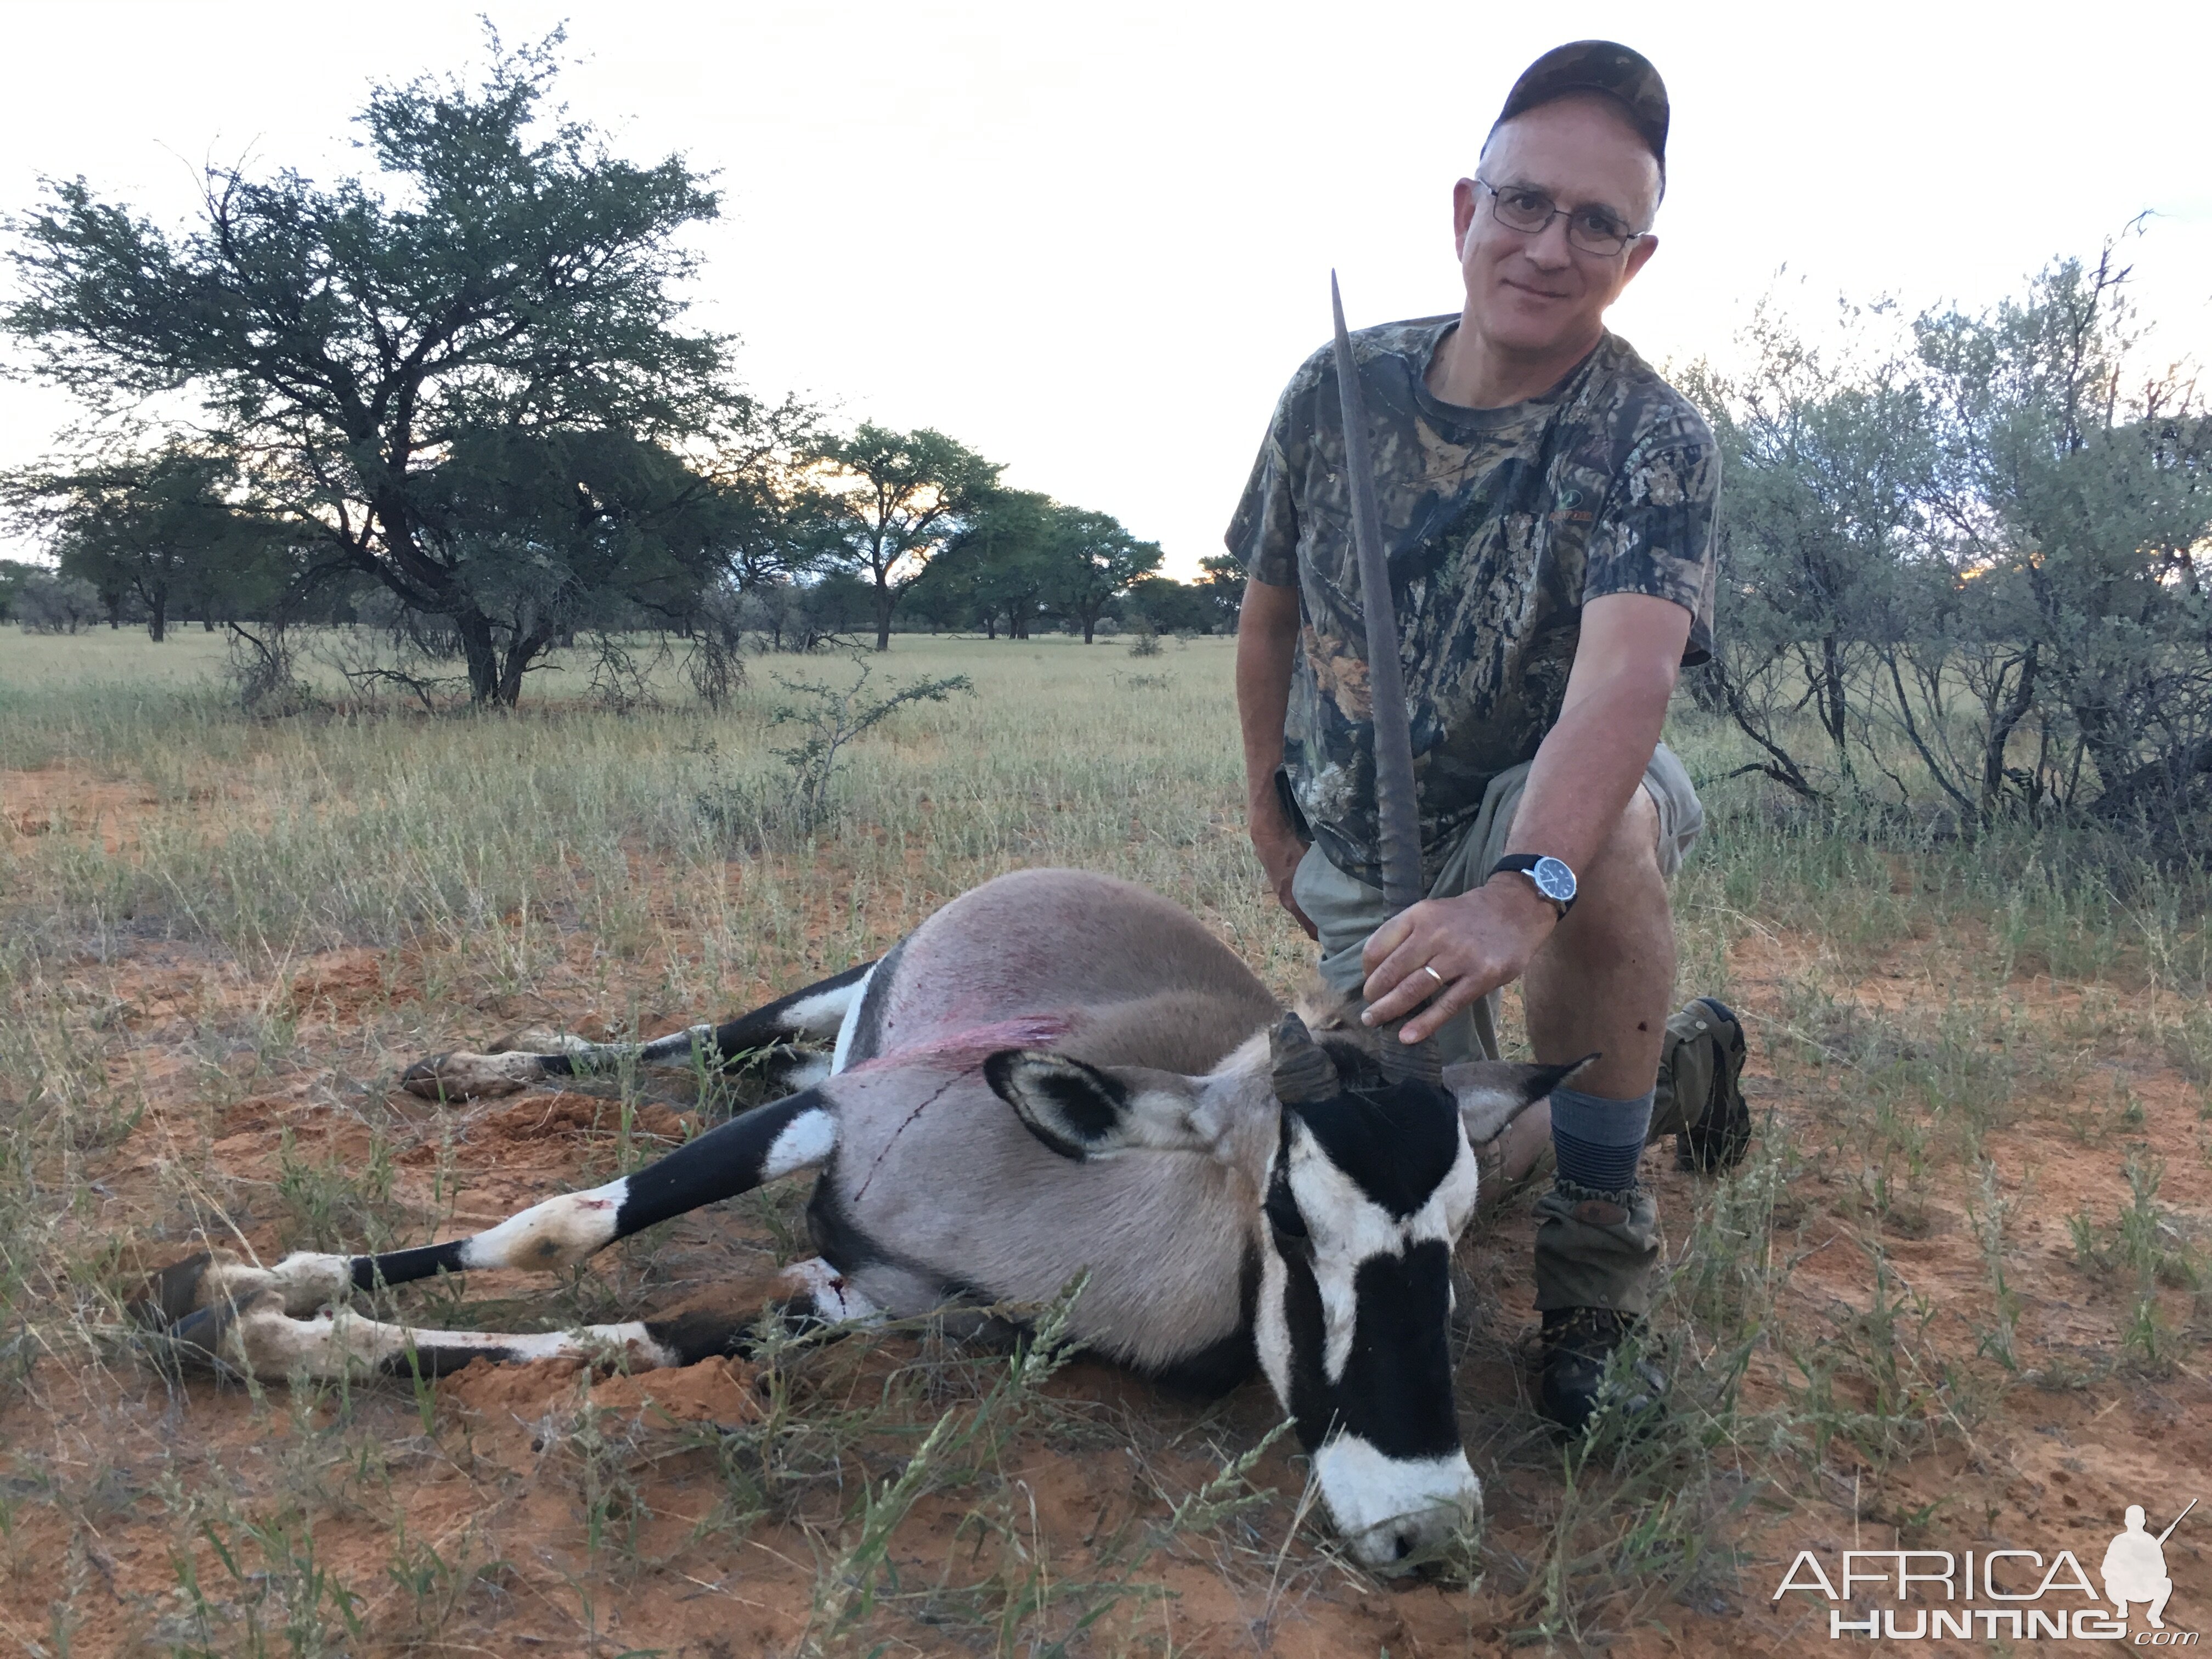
(1553, 880)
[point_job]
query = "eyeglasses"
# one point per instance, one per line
(1531, 212)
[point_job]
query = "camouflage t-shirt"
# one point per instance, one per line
(1499, 524)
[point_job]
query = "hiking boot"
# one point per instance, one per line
(1578, 1347)
(1712, 1051)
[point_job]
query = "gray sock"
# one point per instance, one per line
(1599, 1141)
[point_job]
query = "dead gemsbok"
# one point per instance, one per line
(1056, 1073)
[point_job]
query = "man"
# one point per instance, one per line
(1547, 504)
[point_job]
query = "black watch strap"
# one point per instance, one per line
(1525, 864)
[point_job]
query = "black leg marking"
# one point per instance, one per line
(813, 1014)
(769, 1141)
(172, 1294)
(404, 1266)
(775, 1034)
(693, 1337)
(776, 1139)
(868, 1029)
(430, 1360)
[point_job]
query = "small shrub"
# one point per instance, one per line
(620, 683)
(714, 668)
(262, 670)
(832, 717)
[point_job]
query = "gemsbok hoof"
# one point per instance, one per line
(189, 1307)
(198, 1341)
(463, 1076)
(172, 1294)
(303, 1282)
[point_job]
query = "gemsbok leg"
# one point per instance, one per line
(274, 1321)
(775, 1036)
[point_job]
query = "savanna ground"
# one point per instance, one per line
(1951, 1299)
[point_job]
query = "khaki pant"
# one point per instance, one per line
(1593, 1249)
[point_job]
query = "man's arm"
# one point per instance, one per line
(1590, 765)
(1267, 643)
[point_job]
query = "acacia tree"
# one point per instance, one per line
(1997, 551)
(160, 526)
(998, 568)
(889, 503)
(553, 530)
(1092, 561)
(1222, 576)
(501, 271)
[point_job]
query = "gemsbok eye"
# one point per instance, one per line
(1283, 1213)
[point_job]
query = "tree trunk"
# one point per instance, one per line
(882, 615)
(525, 650)
(157, 615)
(475, 630)
(2002, 722)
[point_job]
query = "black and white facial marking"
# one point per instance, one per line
(1370, 1185)
(1366, 1186)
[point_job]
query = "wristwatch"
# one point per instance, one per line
(1552, 876)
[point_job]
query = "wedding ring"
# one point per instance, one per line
(1434, 975)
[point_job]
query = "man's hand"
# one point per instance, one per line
(1474, 943)
(1279, 849)
(1590, 765)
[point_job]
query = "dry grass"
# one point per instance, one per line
(1955, 1296)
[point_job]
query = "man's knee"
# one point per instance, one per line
(1635, 838)
(1625, 876)
(1622, 915)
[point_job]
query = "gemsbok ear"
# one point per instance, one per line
(1492, 1093)
(1083, 1113)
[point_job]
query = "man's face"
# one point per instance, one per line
(1539, 293)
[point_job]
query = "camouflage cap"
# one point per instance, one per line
(1605, 66)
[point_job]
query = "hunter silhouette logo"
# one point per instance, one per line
(2011, 1593)
(2135, 1566)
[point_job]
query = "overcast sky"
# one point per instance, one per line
(1093, 242)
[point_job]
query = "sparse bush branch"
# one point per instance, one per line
(1755, 724)
(833, 716)
(261, 669)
